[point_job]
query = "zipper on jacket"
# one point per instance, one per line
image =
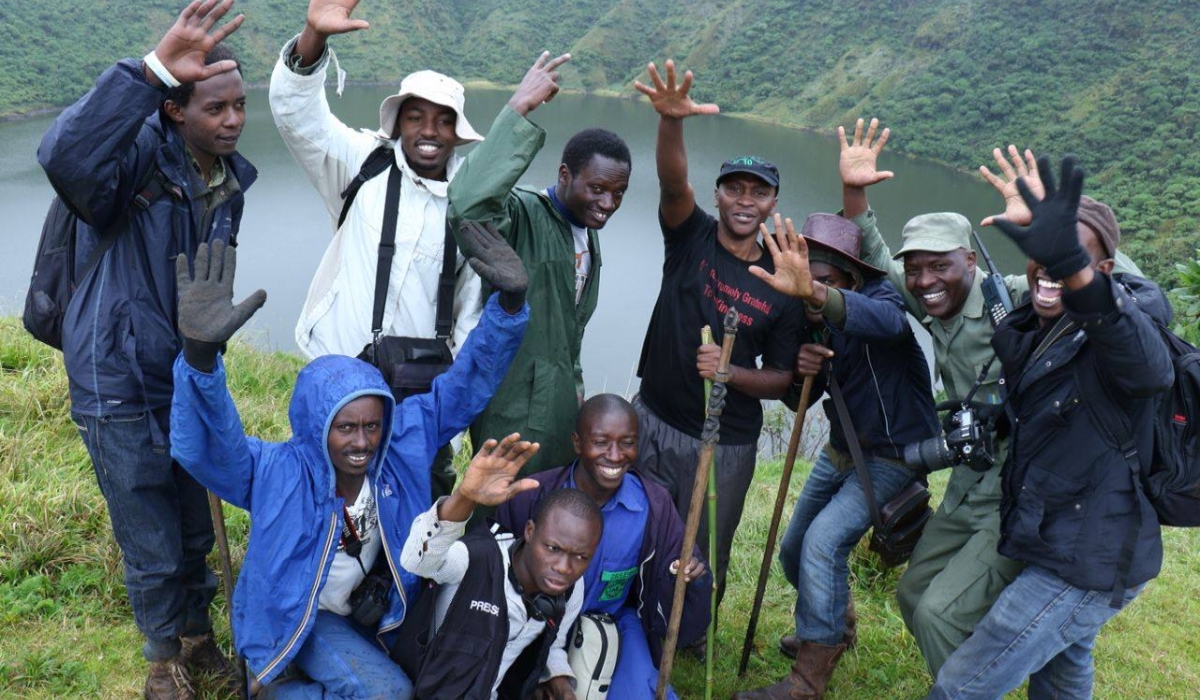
(387, 553)
(312, 598)
(642, 585)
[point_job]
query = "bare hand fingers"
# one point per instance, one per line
(655, 78)
(992, 179)
(686, 85)
(883, 139)
(670, 75)
(556, 62)
(1018, 164)
(842, 138)
(224, 31)
(858, 132)
(1003, 165)
(871, 130)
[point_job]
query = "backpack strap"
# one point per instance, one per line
(376, 163)
(387, 249)
(151, 187)
(860, 465)
(445, 294)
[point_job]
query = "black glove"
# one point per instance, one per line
(207, 316)
(496, 262)
(1051, 239)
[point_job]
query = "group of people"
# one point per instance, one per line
(362, 578)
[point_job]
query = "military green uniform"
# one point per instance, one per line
(539, 396)
(955, 573)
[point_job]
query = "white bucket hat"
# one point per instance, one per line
(438, 89)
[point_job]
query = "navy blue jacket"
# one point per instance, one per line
(1070, 499)
(661, 544)
(882, 371)
(288, 487)
(120, 335)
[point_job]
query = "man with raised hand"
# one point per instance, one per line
(956, 571)
(151, 151)
(505, 603)
(1083, 362)
(555, 231)
(706, 271)
(321, 592)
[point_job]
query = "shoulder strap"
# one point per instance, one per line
(835, 392)
(387, 248)
(153, 184)
(445, 293)
(376, 163)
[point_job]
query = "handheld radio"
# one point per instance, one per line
(995, 294)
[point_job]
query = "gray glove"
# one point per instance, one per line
(496, 262)
(207, 316)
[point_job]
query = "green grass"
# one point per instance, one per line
(66, 629)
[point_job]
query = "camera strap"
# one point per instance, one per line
(351, 542)
(860, 464)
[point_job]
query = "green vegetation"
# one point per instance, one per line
(1111, 80)
(66, 630)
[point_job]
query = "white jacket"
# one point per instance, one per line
(337, 313)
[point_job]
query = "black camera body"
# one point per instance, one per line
(968, 440)
(369, 601)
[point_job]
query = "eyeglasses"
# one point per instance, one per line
(758, 193)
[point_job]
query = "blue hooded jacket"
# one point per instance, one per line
(288, 487)
(120, 334)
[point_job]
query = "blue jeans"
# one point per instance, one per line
(161, 521)
(635, 676)
(830, 517)
(340, 659)
(1041, 628)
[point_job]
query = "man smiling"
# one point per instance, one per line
(555, 231)
(633, 576)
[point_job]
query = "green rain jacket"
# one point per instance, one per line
(539, 397)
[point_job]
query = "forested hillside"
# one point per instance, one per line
(1114, 81)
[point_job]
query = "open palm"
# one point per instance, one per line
(670, 99)
(857, 164)
(490, 478)
(329, 17)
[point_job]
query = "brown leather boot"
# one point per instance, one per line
(810, 674)
(168, 680)
(204, 658)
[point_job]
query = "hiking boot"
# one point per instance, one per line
(168, 680)
(788, 644)
(810, 674)
(204, 658)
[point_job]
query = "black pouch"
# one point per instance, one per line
(408, 365)
(904, 518)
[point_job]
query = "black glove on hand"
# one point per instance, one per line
(496, 262)
(1051, 239)
(207, 316)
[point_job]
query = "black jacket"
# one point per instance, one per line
(1071, 503)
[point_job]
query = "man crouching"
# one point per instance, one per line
(331, 507)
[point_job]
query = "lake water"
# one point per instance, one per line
(285, 229)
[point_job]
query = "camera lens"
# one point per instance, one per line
(931, 454)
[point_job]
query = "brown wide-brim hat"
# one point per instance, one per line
(839, 236)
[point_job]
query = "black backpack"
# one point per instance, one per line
(53, 281)
(1173, 483)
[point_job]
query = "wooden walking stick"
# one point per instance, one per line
(706, 337)
(784, 480)
(708, 446)
(218, 519)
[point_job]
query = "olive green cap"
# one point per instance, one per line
(936, 233)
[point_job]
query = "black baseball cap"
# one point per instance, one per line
(763, 170)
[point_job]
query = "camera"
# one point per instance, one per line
(968, 440)
(369, 601)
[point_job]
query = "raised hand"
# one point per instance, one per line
(539, 85)
(1051, 239)
(329, 17)
(207, 315)
(494, 260)
(857, 163)
(789, 252)
(671, 100)
(1015, 209)
(491, 477)
(183, 48)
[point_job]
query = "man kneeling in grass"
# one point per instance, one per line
(331, 507)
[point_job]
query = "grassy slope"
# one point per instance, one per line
(65, 627)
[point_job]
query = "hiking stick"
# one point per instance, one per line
(708, 446)
(710, 634)
(784, 480)
(218, 518)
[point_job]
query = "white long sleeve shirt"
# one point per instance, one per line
(337, 312)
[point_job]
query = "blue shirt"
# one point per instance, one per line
(615, 564)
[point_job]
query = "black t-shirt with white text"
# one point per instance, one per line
(701, 280)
